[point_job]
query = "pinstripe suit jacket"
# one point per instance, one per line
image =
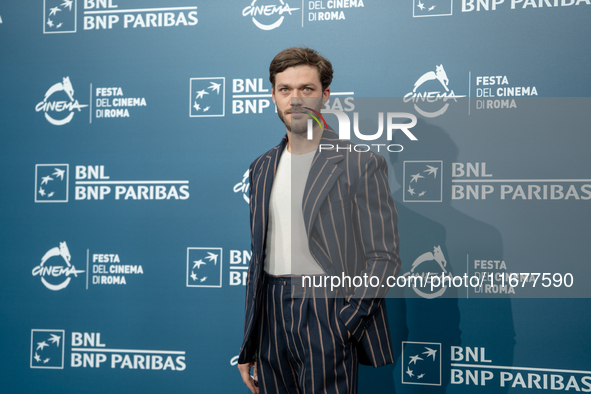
(351, 223)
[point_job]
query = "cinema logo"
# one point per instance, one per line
(59, 105)
(431, 93)
(433, 265)
(54, 274)
(243, 187)
(268, 16)
(345, 130)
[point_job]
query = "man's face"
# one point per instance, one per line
(295, 88)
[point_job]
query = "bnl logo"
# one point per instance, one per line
(47, 349)
(423, 8)
(204, 267)
(59, 16)
(207, 97)
(423, 181)
(421, 363)
(51, 182)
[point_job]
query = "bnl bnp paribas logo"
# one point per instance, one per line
(47, 349)
(421, 363)
(268, 14)
(431, 93)
(59, 16)
(422, 8)
(204, 267)
(88, 351)
(207, 97)
(51, 182)
(423, 181)
(55, 269)
(59, 105)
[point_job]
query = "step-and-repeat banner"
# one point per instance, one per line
(127, 128)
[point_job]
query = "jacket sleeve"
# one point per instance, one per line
(248, 348)
(375, 220)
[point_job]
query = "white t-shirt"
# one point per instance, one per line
(287, 251)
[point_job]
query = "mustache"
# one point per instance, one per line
(296, 109)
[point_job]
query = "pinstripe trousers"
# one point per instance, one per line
(303, 346)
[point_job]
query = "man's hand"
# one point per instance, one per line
(252, 384)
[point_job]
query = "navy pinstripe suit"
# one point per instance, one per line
(351, 223)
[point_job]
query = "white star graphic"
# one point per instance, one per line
(215, 86)
(46, 179)
(415, 178)
(59, 173)
(414, 359)
(430, 352)
(409, 372)
(55, 339)
(200, 93)
(212, 256)
(198, 263)
(431, 170)
(67, 3)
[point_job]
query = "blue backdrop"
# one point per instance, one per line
(126, 130)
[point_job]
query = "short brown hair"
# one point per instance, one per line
(292, 57)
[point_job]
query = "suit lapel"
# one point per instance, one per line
(323, 174)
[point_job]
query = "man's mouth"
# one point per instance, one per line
(296, 111)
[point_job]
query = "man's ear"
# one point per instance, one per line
(273, 94)
(325, 95)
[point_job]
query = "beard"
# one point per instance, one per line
(297, 123)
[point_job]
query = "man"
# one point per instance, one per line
(315, 212)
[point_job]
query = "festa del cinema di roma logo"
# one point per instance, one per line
(270, 16)
(59, 275)
(427, 91)
(59, 105)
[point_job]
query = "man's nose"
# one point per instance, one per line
(296, 97)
